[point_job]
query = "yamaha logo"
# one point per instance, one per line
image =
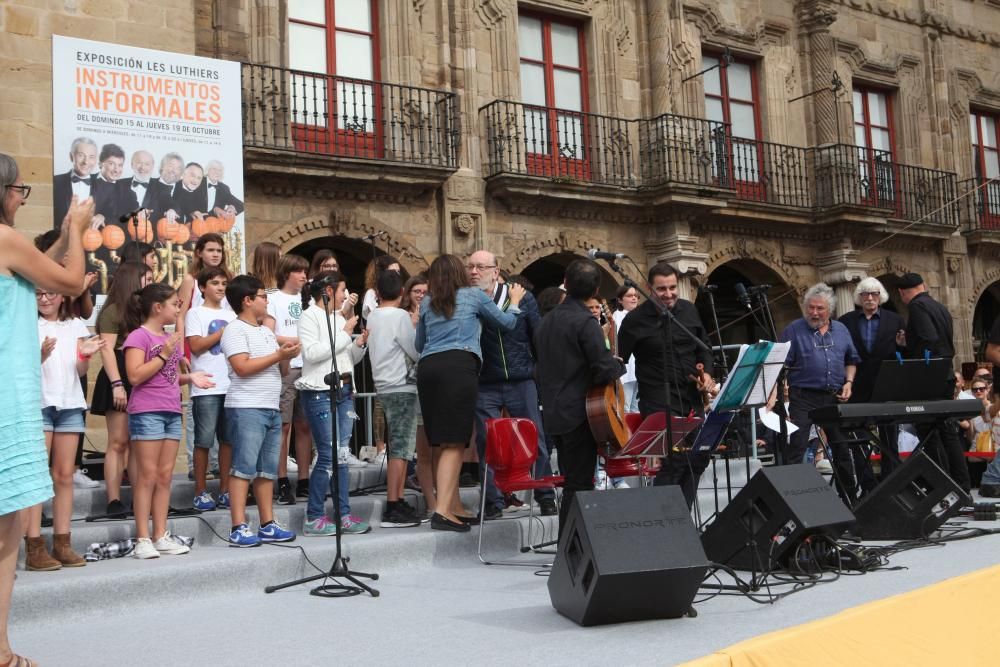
(915, 408)
(812, 489)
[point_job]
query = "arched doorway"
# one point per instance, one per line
(353, 256)
(986, 312)
(549, 271)
(735, 324)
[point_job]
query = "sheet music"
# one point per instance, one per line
(772, 368)
(743, 386)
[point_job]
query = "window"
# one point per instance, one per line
(731, 97)
(553, 90)
(337, 39)
(874, 137)
(983, 128)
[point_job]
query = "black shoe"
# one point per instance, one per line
(470, 520)
(467, 481)
(547, 507)
(493, 512)
(285, 494)
(398, 516)
(989, 490)
(439, 522)
(302, 488)
(116, 510)
(46, 521)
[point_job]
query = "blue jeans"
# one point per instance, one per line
(992, 474)
(520, 397)
(256, 442)
(316, 406)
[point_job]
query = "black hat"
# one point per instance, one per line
(908, 280)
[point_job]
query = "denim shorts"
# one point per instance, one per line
(256, 435)
(209, 415)
(70, 420)
(154, 426)
(291, 408)
(401, 415)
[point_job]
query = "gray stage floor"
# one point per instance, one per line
(440, 607)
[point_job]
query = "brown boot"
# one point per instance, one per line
(63, 552)
(38, 557)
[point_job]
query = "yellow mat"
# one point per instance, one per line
(951, 624)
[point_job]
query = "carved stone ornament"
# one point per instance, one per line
(954, 264)
(464, 223)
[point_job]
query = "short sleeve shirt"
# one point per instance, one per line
(260, 390)
(204, 321)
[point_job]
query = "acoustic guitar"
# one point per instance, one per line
(606, 403)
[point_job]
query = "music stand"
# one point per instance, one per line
(900, 380)
(650, 439)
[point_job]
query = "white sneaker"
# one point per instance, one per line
(81, 481)
(379, 459)
(620, 483)
(169, 546)
(346, 458)
(824, 467)
(600, 481)
(293, 467)
(144, 549)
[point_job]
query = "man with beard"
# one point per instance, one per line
(670, 357)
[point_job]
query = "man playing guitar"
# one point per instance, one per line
(681, 365)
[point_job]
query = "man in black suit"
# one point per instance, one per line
(137, 188)
(219, 197)
(110, 201)
(189, 193)
(874, 331)
(77, 181)
(929, 330)
(166, 185)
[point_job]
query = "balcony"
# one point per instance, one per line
(979, 209)
(354, 130)
(678, 159)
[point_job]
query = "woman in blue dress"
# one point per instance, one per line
(24, 469)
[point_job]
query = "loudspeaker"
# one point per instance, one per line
(627, 555)
(913, 501)
(780, 507)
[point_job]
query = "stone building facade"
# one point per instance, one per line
(827, 140)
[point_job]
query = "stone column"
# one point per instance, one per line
(815, 18)
(841, 270)
(658, 56)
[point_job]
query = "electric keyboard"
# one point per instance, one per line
(857, 415)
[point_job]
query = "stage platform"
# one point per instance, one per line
(438, 604)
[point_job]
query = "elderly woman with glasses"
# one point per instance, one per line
(822, 362)
(24, 469)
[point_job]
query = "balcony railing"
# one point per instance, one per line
(980, 210)
(670, 149)
(305, 112)
(559, 144)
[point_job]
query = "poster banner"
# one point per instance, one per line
(148, 131)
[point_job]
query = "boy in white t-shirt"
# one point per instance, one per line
(284, 308)
(203, 327)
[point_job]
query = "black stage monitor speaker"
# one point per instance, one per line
(780, 507)
(627, 555)
(913, 501)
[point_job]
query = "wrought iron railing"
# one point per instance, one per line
(305, 112)
(559, 144)
(681, 149)
(980, 208)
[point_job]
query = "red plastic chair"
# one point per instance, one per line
(511, 450)
(628, 466)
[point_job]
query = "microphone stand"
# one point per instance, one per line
(339, 568)
(779, 404)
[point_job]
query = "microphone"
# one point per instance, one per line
(128, 216)
(372, 236)
(317, 286)
(757, 289)
(742, 296)
(596, 254)
(707, 288)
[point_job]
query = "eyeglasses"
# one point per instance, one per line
(25, 190)
(260, 296)
(822, 341)
(976, 390)
(328, 267)
(480, 267)
(417, 290)
(46, 295)
(870, 295)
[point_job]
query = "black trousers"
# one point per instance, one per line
(801, 402)
(577, 460)
(683, 469)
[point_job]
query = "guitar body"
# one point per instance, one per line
(606, 404)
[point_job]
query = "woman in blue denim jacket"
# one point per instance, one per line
(448, 372)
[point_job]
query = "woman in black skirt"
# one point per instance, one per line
(111, 390)
(448, 372)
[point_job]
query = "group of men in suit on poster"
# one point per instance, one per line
(181, 192)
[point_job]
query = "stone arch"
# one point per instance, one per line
(348, 224)
(740, 250)
(982, 285)
(735, 324)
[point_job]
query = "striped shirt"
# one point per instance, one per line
(261, 390)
